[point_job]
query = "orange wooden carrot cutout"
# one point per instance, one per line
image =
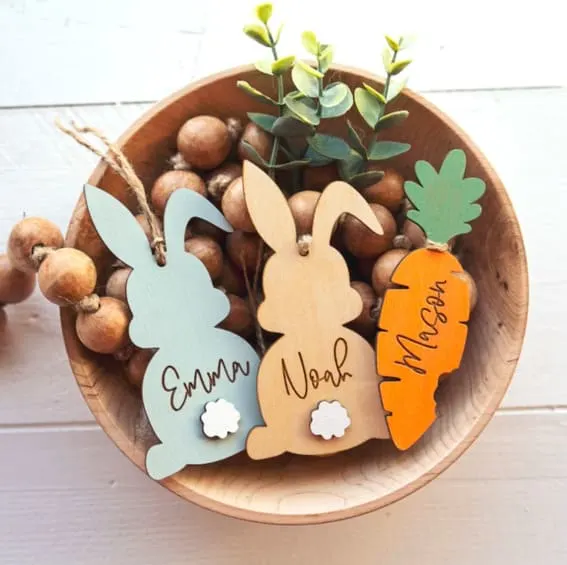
(422, 323)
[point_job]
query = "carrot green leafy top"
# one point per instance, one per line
(444, 202)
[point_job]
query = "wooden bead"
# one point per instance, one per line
(169, 182)
(234, 207)
(384, 268)
(208, 251)
(137, 365)
(317, 178)
(239, 319)
(66, 276)
(106, 330)
(414, 233)
(116, 284)
(15, 286)
(302, 205)
(389, 191)
(220, 178)
(198, 226)
(204, 142)
(365, 324)
(258, 138)
(28, 233)
(231, 279)
(473, 292)
(363, 242)
(243, 249)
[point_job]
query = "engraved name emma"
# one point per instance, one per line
(180, 391)
(432, 316)
(312, 377)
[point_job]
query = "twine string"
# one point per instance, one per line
(118, 162)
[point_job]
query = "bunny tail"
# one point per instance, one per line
(339, 198)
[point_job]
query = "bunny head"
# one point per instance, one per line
(166, 301)
(296, 286)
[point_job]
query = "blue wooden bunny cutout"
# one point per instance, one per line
(199, 390)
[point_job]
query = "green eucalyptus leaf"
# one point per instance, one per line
(316, 159)
(392, 119)
(378, 95)
(264, 66)
(351, 166)
(309, 69)
(301, 107)
(288, 126)
(282, 65)
(278, 34)
(368, 106)
(264, 12)
(382, 150)
(257, 33)
(397, 67)
(253, 155)
(394, 45)
(255, 93)
(396, 87)
(290, 165)
(309, 42)
(263, 121)
(329, 146)
(355, 140)
(339, 109)
(386, 58)
(305, 82)
(366, 179)
(326, 58)
(334, 94)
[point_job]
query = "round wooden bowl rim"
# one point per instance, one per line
(123, 442)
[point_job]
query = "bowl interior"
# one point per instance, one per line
(293, 489)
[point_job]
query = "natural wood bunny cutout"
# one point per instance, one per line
(317, 385)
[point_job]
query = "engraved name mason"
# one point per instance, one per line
(432, 316)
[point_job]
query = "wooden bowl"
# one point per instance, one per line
(305, 490)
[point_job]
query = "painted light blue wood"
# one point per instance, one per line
(175, 309)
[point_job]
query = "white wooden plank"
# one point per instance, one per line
(454, 49)
(67, 52)
(71, 52)
(41, 173)
(71, 497)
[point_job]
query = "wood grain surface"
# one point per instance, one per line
(465, 404)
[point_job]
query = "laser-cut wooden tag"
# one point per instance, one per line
(422, 325)
(175, 309)
(308, 299)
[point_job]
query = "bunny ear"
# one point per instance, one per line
(338, 198)
(268, 208)
(181, 207)
(118, 228)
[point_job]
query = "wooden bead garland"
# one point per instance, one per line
(15, 286)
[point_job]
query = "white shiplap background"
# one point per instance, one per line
(66, 493)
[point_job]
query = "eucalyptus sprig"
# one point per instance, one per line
(372, 106)
(276, 67)
(313, 101)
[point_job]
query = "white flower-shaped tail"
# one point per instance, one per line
(329, 419)
(220, 418)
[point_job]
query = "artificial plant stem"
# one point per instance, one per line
(387, 86)
(276, 144)
(320, 84)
